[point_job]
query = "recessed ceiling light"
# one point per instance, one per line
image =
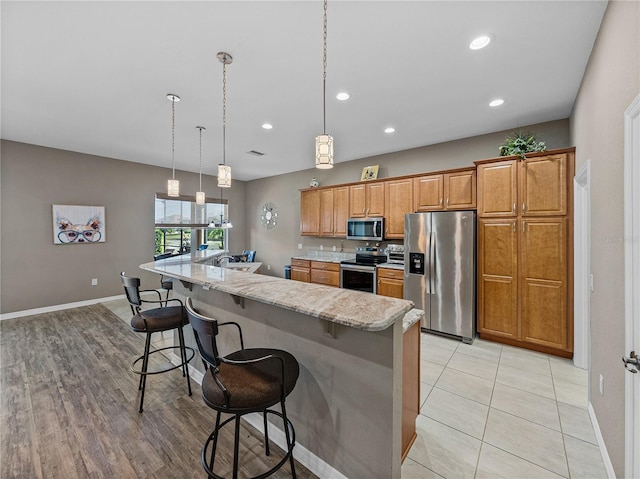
(480, 42)
(389, 129)
(342, 96)
(496, 102)
(267, 126)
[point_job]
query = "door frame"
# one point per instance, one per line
(632, 282)
(582, 267)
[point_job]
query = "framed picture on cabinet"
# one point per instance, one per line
(73, 224)
(369, 173)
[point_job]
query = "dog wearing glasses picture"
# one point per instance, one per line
(72, 231)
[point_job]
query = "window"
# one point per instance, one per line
(180, 222)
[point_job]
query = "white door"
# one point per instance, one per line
(632, 286)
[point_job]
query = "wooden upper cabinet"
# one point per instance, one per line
(398, 198)
(366, 200)
(544, 186)
(498, 189)
(428, 192)
(326, 212)
(460, 190)
(340, 210)
(310, 212)
(447, 191)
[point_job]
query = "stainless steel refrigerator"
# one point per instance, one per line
(440, 270)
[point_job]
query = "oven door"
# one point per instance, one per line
(359, 278)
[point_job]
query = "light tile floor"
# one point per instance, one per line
(494, 411)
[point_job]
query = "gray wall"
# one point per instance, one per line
(610, 83)
(276, 246)
(36, 273)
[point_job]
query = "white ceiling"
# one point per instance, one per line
(93, 76)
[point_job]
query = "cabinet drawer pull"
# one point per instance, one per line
(524, 208)
(514, 208)
(524, 224)
(514, 226)
(440, 201)
(447, 202)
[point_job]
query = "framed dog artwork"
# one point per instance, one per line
(74, 224)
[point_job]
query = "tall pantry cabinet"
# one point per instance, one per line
(525, 254)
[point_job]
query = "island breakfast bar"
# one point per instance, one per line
(347, 407)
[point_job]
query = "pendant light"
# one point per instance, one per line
(173, 185)
(224, 171)
(223, 223)
(324, 142)
(200, 193)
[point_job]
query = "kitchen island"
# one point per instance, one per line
(347, 405)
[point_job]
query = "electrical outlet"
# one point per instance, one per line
(601, 385)
(334, 248)
(269, 267)
(321, 247)
(299, 245)
(94, 282)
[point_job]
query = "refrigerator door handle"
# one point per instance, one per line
(432, 263)
(427, 267)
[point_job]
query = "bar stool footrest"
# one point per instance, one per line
(160, 371)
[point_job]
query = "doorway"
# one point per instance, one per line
(632, 282)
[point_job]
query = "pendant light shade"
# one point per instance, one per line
(200, 194)
(224, 176)
(173, 185)
(324, 151)
(324, 142)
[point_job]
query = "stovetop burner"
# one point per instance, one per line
(368, 256)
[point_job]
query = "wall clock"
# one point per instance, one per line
(269, 216)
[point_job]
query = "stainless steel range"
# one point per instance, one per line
(360, 274)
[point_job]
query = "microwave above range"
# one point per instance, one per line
(370, 229)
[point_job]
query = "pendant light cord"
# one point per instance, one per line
(173, 137)
(324, 70)
(200, 170)
(224, 113)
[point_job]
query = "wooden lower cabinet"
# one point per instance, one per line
(523, 275)
(325, 273)
(301, 270)
(391, 282)
(410, 386)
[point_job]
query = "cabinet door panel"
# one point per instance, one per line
(497, 189)
(375, 199)
(357, 201)
(340, 210)
(399, 201)
(460, 190)
(310, 213)
(326, 212)
(300, 274)
(544, 275)
(544, 186)
(497, 271)
(429, 193)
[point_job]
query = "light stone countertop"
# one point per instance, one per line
(411, 318)
(326, 256)
(355, 309)
(392, 266)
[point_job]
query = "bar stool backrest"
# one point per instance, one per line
(132, 290)
(205, 331)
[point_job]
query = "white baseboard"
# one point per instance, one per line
(305, 457)
(58, 307)
(603, 447)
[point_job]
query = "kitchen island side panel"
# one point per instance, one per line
(346, 406)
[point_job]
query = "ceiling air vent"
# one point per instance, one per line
(255, 153)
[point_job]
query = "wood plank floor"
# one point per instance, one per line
(69, 406)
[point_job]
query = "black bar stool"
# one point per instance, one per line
(149, 321)
(246, 381)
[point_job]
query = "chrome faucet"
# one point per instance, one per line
(223, 257)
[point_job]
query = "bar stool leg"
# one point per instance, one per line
(266, 433)
(236, 443)
(215, 442)
(183, 357)
(286, 432)
(145, 364)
